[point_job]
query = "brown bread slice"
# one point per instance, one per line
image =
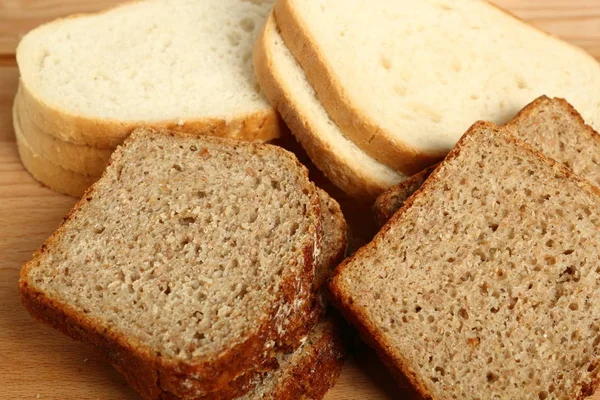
(485, 284)
(322, 350)
(309, 372)
(185, 263)
(552, 126)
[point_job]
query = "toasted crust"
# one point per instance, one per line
(393, 199)
(104, 133)
(49, 174)
(399, 366)
(86, 160)
(363, 187)
(148, 372)
(364, 132)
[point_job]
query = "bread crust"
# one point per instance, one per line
(399, 366)
(364, 132)
(393, 199)
(86, 160)
(316, 374)
(105, 133)
(155, 376)
(47, 173)
(354, 181)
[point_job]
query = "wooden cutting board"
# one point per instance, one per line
(36, 361)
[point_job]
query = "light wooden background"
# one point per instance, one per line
(37, 362)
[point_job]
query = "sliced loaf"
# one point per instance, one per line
(485, 284)
(184, 65)
(552, 126)
(285, 84)
(405, 79)
(207, 293)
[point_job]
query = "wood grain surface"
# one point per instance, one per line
(36, 361)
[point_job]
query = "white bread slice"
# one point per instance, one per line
(59, 179)
(285, 84)
(404, 79)
(81, 159)
(184, 65)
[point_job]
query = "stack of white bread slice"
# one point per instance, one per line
(376, 91)
(197, 266)
(88, 80)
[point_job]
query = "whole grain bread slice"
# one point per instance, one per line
(551, 125)
(485, 284)
(207, 293)
(288, 90)
(309, 370)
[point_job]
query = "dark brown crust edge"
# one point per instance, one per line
(399, 366)
(150, 374)
(316, 374)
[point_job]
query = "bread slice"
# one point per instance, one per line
(307, 373)
(205, 295)
(81, 159)
(405, 79)
(552, 126)
(309, 370)
(285, 84)
(485, 284)
(183, 65)
(49, 174)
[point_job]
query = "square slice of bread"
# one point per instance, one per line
(286, 86)
(91, 79)
(551, 125)
(404, 79)
(486, 283)
(185, 263)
